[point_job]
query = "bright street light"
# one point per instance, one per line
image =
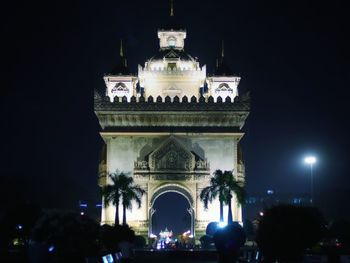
(311, 160)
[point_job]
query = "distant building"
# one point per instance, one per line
(254, 204)
(171, 126)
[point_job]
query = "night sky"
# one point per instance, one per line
(292, 57)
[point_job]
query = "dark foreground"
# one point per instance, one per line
(210, 256)
(175, 256)
(187, 256)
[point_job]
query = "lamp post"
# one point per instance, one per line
(311, 160)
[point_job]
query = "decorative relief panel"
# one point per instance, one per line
(182, 177)
(172, 155)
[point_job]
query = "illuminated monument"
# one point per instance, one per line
(171, 126)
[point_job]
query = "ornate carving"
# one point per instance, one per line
(172, 177)
(171, 155)
(202, 165)
(178, 120)
(141, 165)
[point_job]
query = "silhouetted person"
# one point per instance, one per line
(228, 242)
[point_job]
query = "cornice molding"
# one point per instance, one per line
(156, 113)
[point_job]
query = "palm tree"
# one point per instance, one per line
(112, 193)
(224, 185)
(216, 188)
(131, 192)
(233, 187)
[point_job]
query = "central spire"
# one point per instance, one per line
(171, 8)
(171, 36)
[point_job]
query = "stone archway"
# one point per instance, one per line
(175, 188)
(171, 165)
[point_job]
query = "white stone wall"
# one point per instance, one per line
(219, 150)
(184, 80)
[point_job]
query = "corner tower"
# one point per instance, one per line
(120, 83)
(223, 83)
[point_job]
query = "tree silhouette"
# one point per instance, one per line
(130, 192)
(233, 187)
(121, 189)
(224, 186)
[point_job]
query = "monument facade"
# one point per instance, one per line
(171, 126)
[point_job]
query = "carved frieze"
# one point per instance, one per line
(141, 165)
(172, 177)
(202, 165)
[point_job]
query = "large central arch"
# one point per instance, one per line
(172, 188)
(172, 166)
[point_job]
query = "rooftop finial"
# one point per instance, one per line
(171, 8)
(222, 49)
(121, 48)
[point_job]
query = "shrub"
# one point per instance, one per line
(285, 232)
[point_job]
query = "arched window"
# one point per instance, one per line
(120, 87)
(171, 41)
(224, 88)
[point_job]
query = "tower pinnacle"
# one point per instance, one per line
(222, 49)
(121, 48)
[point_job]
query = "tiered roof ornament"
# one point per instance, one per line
(171, 91)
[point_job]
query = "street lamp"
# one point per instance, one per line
(311, 160)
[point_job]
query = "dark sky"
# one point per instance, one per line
(176, 219)
(291, 55)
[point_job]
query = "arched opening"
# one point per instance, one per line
(172, 211)
(175, 207)
(171, 41)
